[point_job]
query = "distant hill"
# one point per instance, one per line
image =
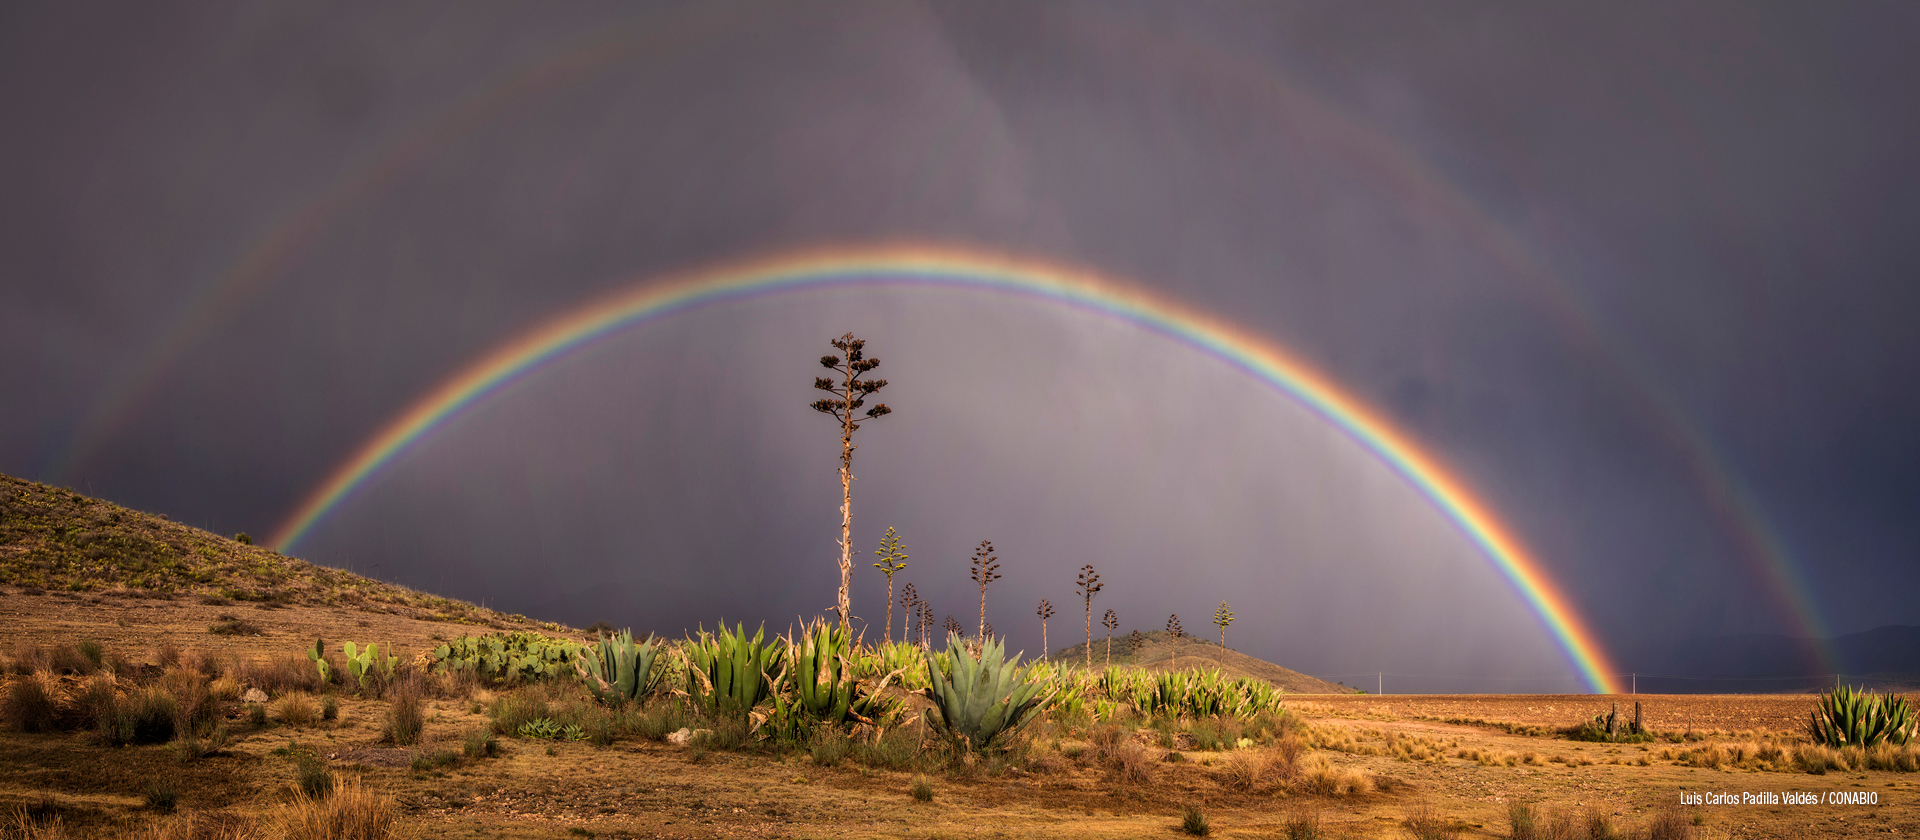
(53, 539)
(1887, 656)
(1159, 651)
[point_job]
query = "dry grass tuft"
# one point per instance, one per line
(350, 812)
(225, 689)
(296, 709)
(31, 702)
(204, 826)
(21, 823)
(1668, 823)
(1321, 778)
(1246, 770)
(1424, 822)
(280, 676)
(405, 716)
(1303, 822)
(1133, 763)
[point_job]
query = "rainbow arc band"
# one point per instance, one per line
(940, 266)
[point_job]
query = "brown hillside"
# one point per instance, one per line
(78, 565)
(1158, 651)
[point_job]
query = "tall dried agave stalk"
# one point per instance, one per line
(1112, 623)
(1046, 612)
(909, 604)
(849, 395)
(1089, 581)
(893, 558)
(986, 569)
(1173, 642)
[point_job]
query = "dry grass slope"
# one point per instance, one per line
(53, 539)
(1159, 651)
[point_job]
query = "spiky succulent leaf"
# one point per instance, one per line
(985, 699)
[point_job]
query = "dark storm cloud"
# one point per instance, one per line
(1566, 247)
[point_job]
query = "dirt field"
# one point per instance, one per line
(1730, 713)
(1406, 746)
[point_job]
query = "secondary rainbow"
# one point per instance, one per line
(919, 265)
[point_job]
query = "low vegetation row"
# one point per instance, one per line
(960, 711)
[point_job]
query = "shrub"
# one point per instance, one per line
(653, 724)
(99, 706)
(1133, 764)
(329, 708)
(479, 744)
(70, 659)
(1194, 821)
(41, 822)
(29, 704)
(1599, 825)
(516, 710)
(1245, 770)
(200, 742)
(92, 651)
(922, 789)
(311, 775)
(257, 714)
(296, 709)
(163, 794)
(192, 709)
(405, 717)
(895, 749)
(225, 689)
(1317, 776)
(1668, 824)
(146, 716)
(349, 812)
(828, 746)
(1523, 821)
(280, 676)
(1425, 823)
(429, 761)
(1302, 823)
(231, 625)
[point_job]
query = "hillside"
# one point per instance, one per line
(84, 552)
(1159, 651)
(1887, 657)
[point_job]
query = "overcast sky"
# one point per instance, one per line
(1643, 276)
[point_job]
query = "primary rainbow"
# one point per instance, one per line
(967, 269)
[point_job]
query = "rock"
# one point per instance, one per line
(254, 695)
(685, 736)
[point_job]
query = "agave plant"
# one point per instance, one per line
(728, 671)
(619, 670)
(820, 683)
(552, 730)
(982, 700)
(1856, 717)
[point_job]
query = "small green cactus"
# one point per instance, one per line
(317, 654)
